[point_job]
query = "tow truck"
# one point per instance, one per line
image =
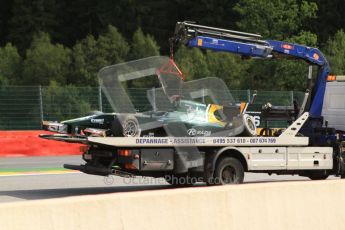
(307, 147)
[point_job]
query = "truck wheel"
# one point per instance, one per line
(318, 176)
(125, 126)
(229, 170)
(180, 180)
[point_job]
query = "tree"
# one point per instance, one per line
(90, 55)
(30, 17)
(227, 66)
(278, 19)
(196, 64)
(290, 74)
(5, 15)
(112, 46)
(10, 65)
(330, 18)
(281, 20)
(45, 62)
(143, 46)
(84, 62)
(335, 52)
(65, 102)
(193, 63)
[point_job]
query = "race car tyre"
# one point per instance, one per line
(249, 125)
(125, 126)
(229, 170)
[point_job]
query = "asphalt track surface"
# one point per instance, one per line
(33, 178)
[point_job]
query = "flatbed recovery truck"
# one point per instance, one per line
(214, 160)
(306, 148)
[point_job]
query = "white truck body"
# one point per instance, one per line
(285, 152)
(334, 105)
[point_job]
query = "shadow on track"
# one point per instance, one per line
(67, 192)
(36, 194)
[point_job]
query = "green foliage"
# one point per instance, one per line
(90, 55)
(85, 26)
(3, 81)
(281, 20)
(330, 18)
(201, 10)
(228, 67)
(335, 52)
(64, 102)
(5, 15)
(304, 38)
(70, 21)
(45, 62)
(112, 46)
(29, 18)
(192, 62)
(275, 75)
(143, 46)
(84, 62)
(282, 74)
(10, 65)
(278, 19)
(195, 65)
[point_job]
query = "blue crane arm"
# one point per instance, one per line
(246, 49)
(252, 45)
(313, 56)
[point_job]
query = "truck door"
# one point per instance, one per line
(334, 105)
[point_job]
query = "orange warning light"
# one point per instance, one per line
(199, 42)
(316, 56)
(287, 47)
(331, 78)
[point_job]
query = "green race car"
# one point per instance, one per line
(201, 107)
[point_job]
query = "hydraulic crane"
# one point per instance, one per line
(253, 45)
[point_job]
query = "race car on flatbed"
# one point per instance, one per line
(174, 103)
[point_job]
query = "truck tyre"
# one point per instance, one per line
(180, 180)
(229, 170)
(318, 176)
(125, 126)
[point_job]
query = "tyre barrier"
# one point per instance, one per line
(280, 205)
